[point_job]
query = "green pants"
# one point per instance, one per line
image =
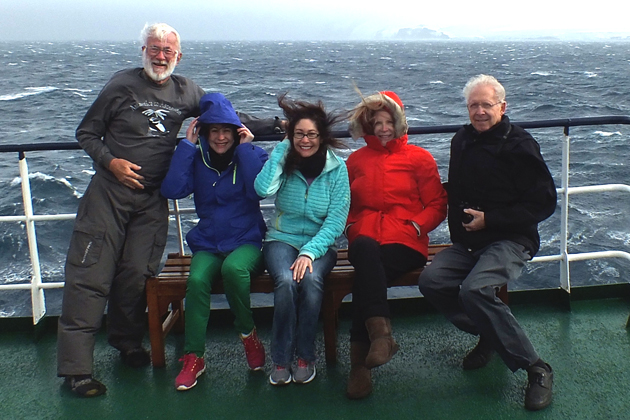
(236, 269)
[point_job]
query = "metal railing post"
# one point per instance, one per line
(565, 281)
(38, 301)
(178, 219)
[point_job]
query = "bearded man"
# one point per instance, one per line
(130, 132)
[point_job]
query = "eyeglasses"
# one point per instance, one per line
(168, 51)
(484, 105)
(311, 135)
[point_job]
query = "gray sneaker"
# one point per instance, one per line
(304, 372)
(279, 375)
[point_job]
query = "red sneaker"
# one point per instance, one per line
(193, 367)
(254, 350)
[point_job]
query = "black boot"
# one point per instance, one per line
(479, 356)
(136, 358)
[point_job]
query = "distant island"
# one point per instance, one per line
(422, 33)
(412, 34)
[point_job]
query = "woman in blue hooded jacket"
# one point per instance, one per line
(218, 164)
(312, 202)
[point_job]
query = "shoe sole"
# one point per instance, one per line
(186, 388)
(280, 383)
(537, 407)
(307, 380)
(183, 387)
(89, 389)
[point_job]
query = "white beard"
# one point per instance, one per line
(158, 77)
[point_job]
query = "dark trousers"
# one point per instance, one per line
(117, 243)
(463, 285)
(375, 267)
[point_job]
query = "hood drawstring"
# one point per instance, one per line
(205, 162)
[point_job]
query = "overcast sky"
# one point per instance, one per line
(115, 20)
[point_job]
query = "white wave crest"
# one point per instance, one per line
(46, 178)
(34, 175)
(541, 73)
(78, 90)
(608, 133)
(29, 91)
(436, 82)
(618, 236)
(600, 270)
(590, 74)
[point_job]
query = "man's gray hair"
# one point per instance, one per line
(159, 31)
(484, 79)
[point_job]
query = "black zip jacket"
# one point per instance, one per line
(502, 173)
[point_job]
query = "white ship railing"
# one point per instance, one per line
(37, 287)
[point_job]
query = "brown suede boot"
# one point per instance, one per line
(383, 346)
(360, 379)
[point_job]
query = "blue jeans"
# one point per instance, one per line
(296, 305)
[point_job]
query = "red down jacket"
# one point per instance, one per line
(392, 186)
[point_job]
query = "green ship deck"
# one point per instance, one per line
(588, 346)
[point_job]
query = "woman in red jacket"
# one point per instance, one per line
(397, 198)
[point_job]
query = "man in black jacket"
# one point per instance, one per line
(499, 189)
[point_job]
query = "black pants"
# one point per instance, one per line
(375, 267)
(117, 243)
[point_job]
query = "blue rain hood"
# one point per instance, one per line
(216, 109)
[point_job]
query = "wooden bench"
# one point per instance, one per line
(166, 293)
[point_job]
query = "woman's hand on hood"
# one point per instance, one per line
(245, 134)
(192, 132)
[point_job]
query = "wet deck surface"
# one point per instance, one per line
(588, 347)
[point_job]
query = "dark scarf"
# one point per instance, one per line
(312, 166)
(221, 162)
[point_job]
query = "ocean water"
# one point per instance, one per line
(46, 88)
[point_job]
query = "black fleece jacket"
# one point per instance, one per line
(501, 172)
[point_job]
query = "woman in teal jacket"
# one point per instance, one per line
(312, 202)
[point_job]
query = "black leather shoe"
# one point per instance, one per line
(538, 393)
(136, 358)
(85, 386)
(479, 356)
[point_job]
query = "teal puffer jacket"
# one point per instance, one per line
(308, 217)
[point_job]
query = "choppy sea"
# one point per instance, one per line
(46, 88)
